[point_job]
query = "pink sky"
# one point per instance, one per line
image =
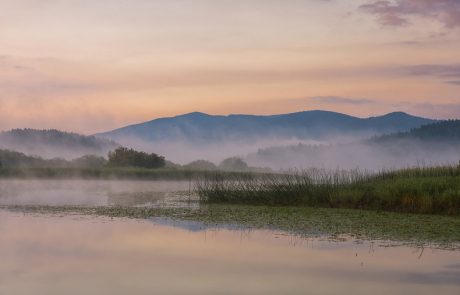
(90, 66)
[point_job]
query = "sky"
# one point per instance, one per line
(91, 66)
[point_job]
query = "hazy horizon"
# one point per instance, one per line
(91, 67)
(211, 114)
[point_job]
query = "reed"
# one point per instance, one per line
(433, 190)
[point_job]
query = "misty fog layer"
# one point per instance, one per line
(433, 144)
(183, 152)
(54, 144)
(91, 192)
(348, 153)
(361, 155)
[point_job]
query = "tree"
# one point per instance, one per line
(201, 165)
(234, 164)
(124, 157)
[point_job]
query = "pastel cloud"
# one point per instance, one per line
(341, 100)
(439, 71)
(436, 70)
(397, 13)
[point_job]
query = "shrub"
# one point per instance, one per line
(201, 165)
(124, 157)
(233, 164)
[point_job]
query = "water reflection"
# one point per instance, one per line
(96, 255)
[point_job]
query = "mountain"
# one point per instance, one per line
(309, 125)
(433, 144)
(54, 143)
(197, 135)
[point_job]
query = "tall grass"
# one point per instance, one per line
(434, 190)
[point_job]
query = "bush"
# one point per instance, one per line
(201, 165)
(124, 157)
(233, 164)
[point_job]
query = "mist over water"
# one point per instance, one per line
(339, 153)
(359, 155)
(92, 192)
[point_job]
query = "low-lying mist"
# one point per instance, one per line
(75, 192)
(54, 143)
(361, 155)
(183, 152)
(434, 144)
(283, 154)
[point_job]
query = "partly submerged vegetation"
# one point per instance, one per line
(418, 190)
(417, 229)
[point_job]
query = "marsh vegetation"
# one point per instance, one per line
(177, 201)
(433, 190)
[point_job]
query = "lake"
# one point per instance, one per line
(81, 254)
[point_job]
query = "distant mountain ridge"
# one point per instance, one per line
(315, 125)
(54, 143)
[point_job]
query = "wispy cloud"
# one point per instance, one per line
(397, 13)
(437, 70)
(341, 100)
(446, 72)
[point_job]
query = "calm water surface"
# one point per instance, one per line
(94, 192)
(73, 254)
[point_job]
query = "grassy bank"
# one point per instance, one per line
(417, 229)
(419, 190)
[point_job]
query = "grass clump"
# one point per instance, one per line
(433, 190)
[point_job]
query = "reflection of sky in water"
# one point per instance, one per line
(95, 255)
(93, 192)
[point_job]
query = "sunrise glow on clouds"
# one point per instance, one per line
(89, 66)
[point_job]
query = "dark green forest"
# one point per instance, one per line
(441, 132)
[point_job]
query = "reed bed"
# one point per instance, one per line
(432, 190)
